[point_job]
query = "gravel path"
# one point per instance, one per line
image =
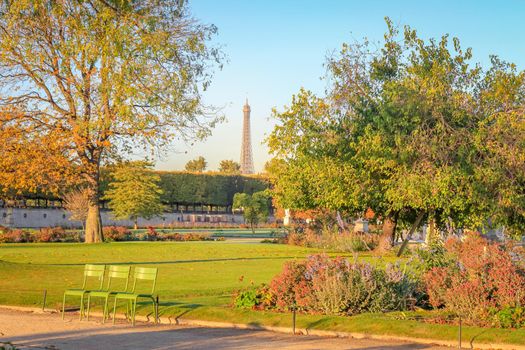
(47, 331)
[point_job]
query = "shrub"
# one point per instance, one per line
(425, 259)
(292, 287)
(329, 237)
(486, 279)
(15, 236)
(184, 237)
(116, 233)
(511, 317)
(254, 298)
(50, 234)
(151, 234)
(336, 286)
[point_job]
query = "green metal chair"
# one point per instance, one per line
(95, 271)
(140, 274)
(115, 272)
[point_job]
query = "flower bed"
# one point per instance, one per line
(321, 284)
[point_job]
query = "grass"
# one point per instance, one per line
(197, 279)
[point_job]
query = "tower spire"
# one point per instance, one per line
(246, 148)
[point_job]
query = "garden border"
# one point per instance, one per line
(288, 330)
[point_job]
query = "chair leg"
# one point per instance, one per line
(105, 310)
(81, 306)
(133, 311)
(63, 305)
(88, 306)
(114, 310)
(155, 310)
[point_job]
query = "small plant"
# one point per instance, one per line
(433, 256)
(254, 298)
(511, 317)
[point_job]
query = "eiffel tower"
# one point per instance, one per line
(246, 148)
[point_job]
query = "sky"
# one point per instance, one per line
(275, 47)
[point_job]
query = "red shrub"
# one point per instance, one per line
(50, 234)
(291, 286)
(116, 233)
(486, 278)
(152, 235)
(173, 237)
(15, 236)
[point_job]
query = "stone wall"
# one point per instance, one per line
(51, 217)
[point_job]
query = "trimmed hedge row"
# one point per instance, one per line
(211, 189)
(191, 188)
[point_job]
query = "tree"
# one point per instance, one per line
(255, 207)
(197, 165)
(103, 77)
(229, 167)
(77, 203)
(394, 133)
(500, 140)
(134, 192)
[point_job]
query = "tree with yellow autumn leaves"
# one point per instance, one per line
(84, 81)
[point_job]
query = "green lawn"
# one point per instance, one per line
(196, 280)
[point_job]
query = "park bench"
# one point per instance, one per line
(116, 272)
(142, 275)
(90, 272)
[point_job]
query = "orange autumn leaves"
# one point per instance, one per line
(33, 159)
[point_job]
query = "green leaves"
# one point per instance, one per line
(255, 207)
(197, 165)
(134, 192)
(413, 127)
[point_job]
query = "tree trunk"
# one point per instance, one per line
(93, 221)
(136, 223)
(431, 237)
(386, 242)
(411, 232)
(94, 224)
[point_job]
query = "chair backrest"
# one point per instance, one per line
(145, 274)
(118, 272)
(96, 271)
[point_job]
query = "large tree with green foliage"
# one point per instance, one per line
(255, 207)
(103, 77)
(399, 131)
(134, 192)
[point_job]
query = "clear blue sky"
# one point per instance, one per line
(275, 47)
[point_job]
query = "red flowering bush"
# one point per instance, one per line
(292, 287)
(50, 234)
(116, 233)
(486, 278)
(15, 236)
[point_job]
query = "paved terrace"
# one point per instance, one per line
(40, 331)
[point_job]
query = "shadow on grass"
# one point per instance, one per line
(174, 310)
(168, 262)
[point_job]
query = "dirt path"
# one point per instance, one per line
(47, 331)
